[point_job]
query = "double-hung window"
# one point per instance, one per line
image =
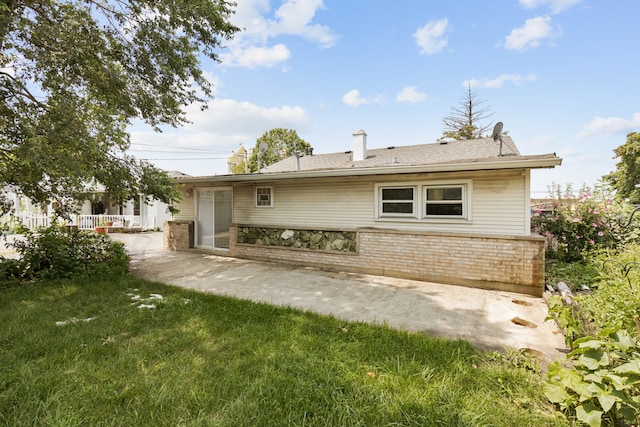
(398, 201)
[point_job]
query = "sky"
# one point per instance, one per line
(562, 75)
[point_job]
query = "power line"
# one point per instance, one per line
(171, 152)
(192, 158)
(180, 148)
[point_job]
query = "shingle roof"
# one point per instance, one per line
(410, 155)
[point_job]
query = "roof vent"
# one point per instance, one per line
(391, 147)
(394, 160)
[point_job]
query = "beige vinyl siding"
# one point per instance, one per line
(499, 206)
(498, 203)
(318, 203)
(186, 207)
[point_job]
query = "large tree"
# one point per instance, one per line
(280, 144)
(465, 120)
(75, 73)
(626, 178)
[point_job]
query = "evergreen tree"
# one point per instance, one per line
(465, 121)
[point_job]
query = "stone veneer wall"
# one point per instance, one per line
(507, 263)
(328, 240)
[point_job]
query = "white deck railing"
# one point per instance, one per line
(84, 222)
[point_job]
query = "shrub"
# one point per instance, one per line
(616, 300)
(581, 223)
(9, 272)
(56, 252)
(602, 383)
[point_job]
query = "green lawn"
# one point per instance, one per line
(83, 353)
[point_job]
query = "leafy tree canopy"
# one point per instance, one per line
(465, 120)
(627, 174)
(75, 73)
(281, 143)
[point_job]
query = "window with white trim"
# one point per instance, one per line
(398, 201)
(444, 201)
(426, 201)
(264, 196)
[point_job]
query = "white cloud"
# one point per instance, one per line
(556, 6)
(252, 56)
(353, 99)
(225, 124)
(295, 18)
(251, 47)
(610, 126)
(531, 34)
(430, 38)
(411, 95)
(500, 81)
(229, 116)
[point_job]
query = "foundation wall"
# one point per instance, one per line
(508, 263)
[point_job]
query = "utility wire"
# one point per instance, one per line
(180, 148)
(172, 152)
(192, 158)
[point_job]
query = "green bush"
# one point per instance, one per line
(581, 223)
(9, 272)
(575, 274)
(56, 252)
(601, 383)
(615, 302)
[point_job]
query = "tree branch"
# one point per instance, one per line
(22, 90)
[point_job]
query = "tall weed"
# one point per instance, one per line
(598, 385)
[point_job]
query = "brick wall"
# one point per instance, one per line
(509, 263)
(177, 235)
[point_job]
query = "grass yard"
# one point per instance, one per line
(95, 353)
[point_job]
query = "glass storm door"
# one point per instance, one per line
(204, 218)
(213, 217)
(221, 217)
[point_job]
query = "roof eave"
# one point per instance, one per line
(541, 162)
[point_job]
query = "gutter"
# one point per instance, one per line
(537, 162)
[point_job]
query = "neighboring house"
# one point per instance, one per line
(237, 162)
(132, 213)
(456, 212)
(96, 210)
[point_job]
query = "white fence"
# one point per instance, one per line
(84, 222)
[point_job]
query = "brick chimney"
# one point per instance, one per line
(359, 145)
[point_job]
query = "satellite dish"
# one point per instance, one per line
(497, 131)
(497, 135)
(261, 150)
